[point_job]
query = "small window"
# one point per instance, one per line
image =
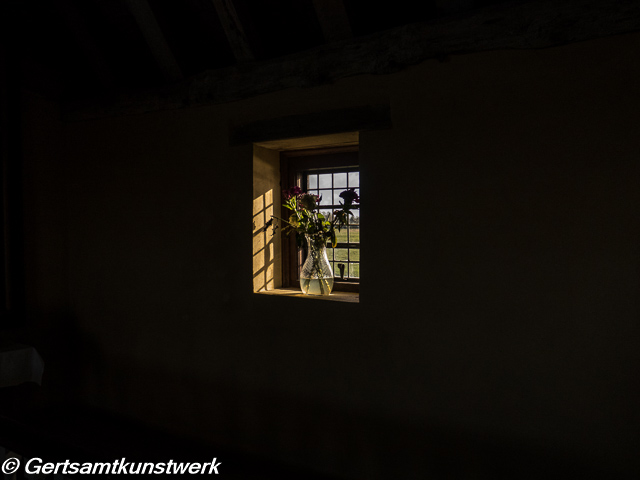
(326, 173)
(328, 184)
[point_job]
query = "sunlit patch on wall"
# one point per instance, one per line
(263, 244)
(267, 256)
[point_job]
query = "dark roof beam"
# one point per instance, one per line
(534, 24)
(234, 30)
(141, 11)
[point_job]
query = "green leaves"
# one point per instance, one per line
(304, 219)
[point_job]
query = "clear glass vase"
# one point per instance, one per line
(316, 276)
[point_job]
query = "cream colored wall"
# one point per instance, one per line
(508, 315)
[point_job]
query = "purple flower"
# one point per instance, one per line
(350, 196)
(292, 192)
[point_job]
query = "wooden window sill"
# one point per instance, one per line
(351, 297)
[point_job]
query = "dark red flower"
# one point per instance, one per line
(350, 196)
(292, 192)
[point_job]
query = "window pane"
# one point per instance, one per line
(312, 192)
(326, 197)
(355, 219)
(354, 254)
(339, 180)
(354, 270)
(312, 181)
(330, 254)
(324, 180)
(341, 236)
(354, 234)
(336, 197)
(354, 179)
(341, 273)
(327, 214)
(341, 254)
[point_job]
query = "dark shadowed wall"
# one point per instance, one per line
(503, 322)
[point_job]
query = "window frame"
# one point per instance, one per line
(293, 165)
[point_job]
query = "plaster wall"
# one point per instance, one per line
(507, 315)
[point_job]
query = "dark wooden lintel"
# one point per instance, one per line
(522, 25)
(353, 119)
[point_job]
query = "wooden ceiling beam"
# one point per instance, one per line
(333, 19)
(234, 30)
(532, 25)
(148, 24)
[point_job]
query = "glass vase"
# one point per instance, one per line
(316, 276)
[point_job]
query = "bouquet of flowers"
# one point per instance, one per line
(305, 217)
(308, 223)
